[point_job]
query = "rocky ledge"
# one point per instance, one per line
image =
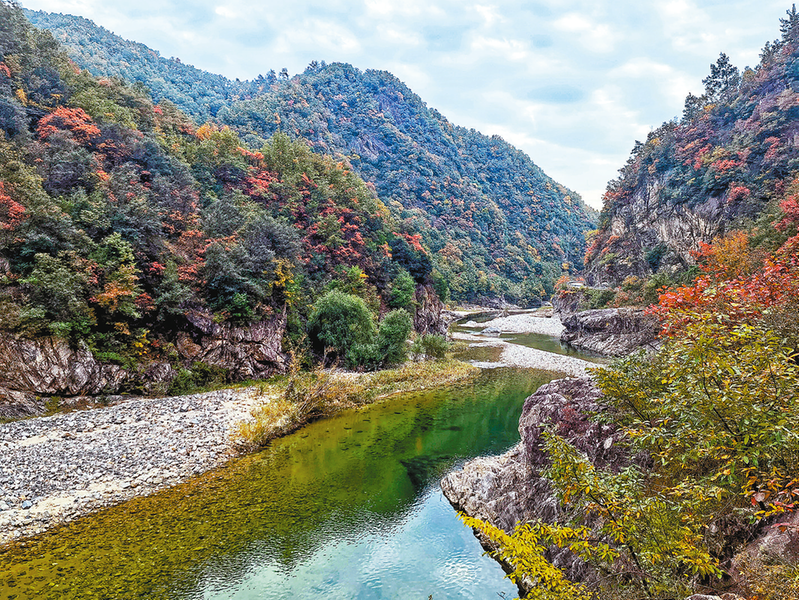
(57, 468)
(509, 489)
(34, 370)
(610, 331)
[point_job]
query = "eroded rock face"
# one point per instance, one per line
(32, 370)
(429, 317)
(249, 352)
(651, 234)
(610, 331)
(509, 489)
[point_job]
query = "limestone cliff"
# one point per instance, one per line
(648, 234)
(33, 370)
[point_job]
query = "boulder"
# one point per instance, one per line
(610, 331)
(429, 316)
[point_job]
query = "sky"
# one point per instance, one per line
(573, 83)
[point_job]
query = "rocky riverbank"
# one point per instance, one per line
(514, 355)
(509, 488)
(58, 468)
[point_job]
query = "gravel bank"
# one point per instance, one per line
(514, 355)
(523, 323)
(58, 468)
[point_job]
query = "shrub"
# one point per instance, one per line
(402, 290)
(393, 336)
(339, 322)
(431, 346)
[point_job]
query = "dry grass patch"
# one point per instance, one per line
(290, 402)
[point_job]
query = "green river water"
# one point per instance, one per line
(348, 507)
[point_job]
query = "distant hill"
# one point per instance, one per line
(495, 222)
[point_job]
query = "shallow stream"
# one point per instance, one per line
(348, 507)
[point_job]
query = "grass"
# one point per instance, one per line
(290, 402)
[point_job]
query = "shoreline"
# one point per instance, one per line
(514, 355)
(62, 467)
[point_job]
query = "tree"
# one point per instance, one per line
(402, 289)
(723, 80)
(788, 26)
(392, 337)
(339, 322)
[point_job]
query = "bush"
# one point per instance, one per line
(339, 322)
(402, 290)
(431, 346)
(393, 336)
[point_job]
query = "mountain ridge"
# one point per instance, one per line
(497, 225)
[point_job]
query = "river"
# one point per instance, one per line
(348, 507)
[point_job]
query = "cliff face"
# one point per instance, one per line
(33, 370)
(648, 234)
(507, 489)
(428, 317)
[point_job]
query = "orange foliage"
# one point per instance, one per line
(75, 120)
(736, 285)
(11, 212)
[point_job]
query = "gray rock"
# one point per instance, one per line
(508, 489)
(610, 331)
(27, 504)
(429, 317)
(33, 370)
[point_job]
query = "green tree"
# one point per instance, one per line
(402, 289)
(339, 322)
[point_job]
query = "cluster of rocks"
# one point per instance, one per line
(57, 468)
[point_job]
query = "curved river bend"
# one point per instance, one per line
(348, 507)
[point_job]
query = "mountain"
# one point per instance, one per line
(129, 232)
(724, 165)
(494, 222)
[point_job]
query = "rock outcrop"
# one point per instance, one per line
(247, 352)
(610, 331)
(507, 489)
(429, 316)
(34, 370)
(649, 234)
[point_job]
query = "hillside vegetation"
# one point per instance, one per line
(725, 164)
(118, 217)
(495, 224)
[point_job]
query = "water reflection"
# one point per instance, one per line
(346, 508)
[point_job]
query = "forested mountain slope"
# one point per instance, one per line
(130, 233)
(726, 163)
(495, 223)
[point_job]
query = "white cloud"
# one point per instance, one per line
(571, 82)
(594, 36)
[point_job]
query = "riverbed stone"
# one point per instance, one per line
(62, 466)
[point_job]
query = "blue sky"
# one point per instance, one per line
(573, 83)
